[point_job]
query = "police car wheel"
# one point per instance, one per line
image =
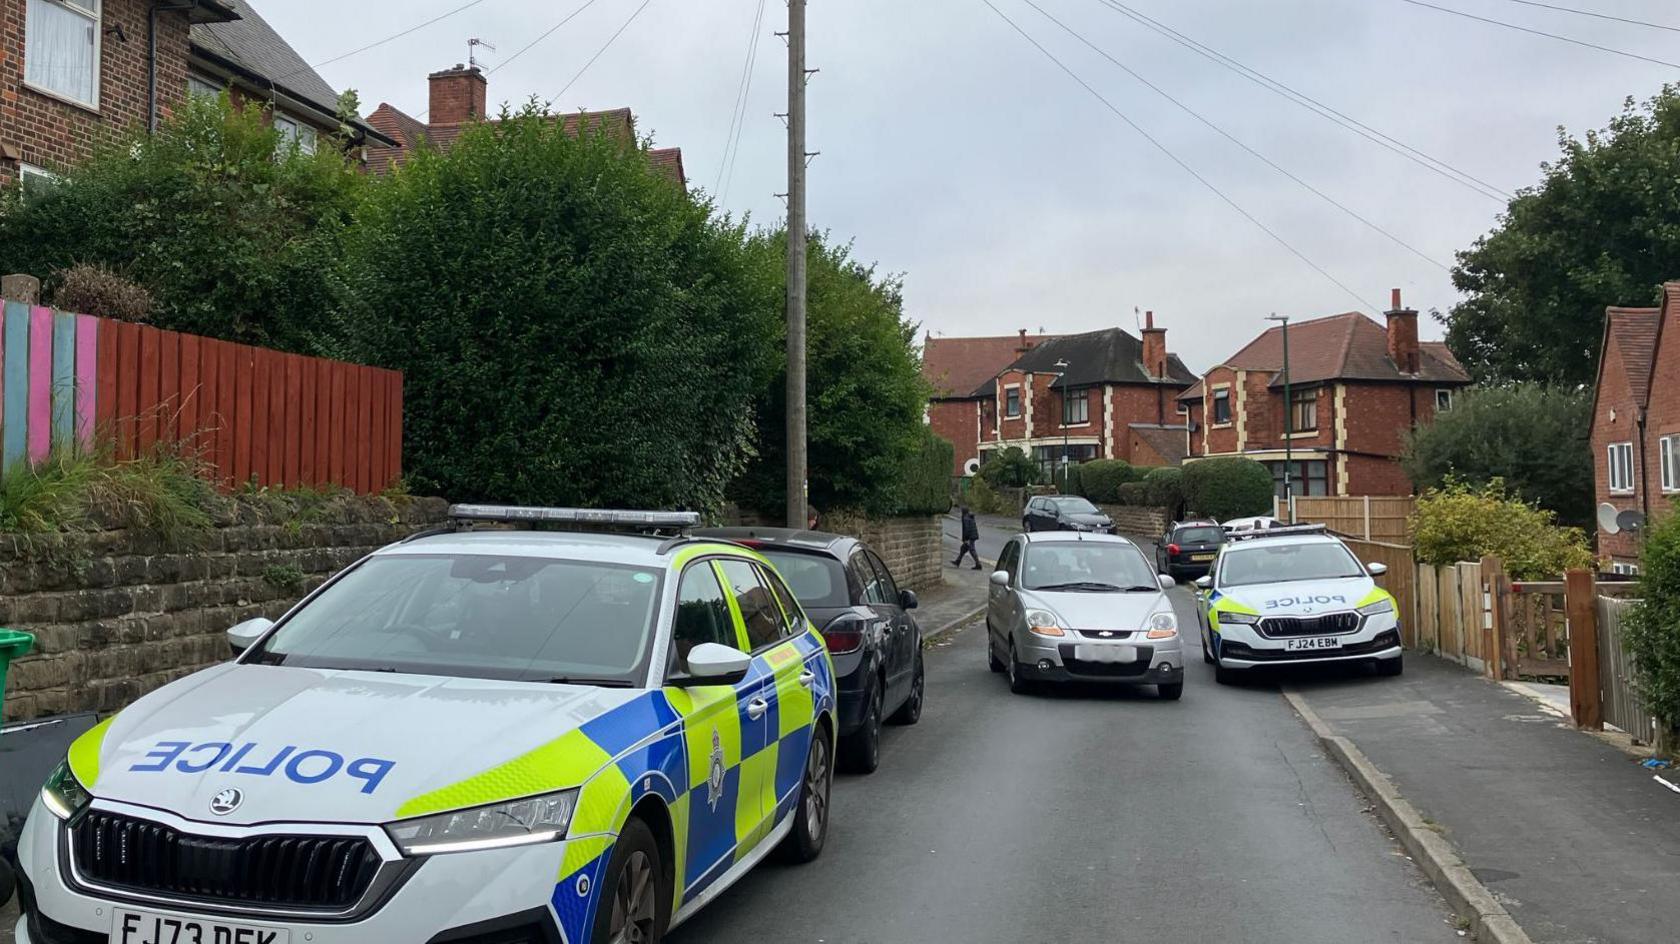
(810, 816)
(635, 909)
(861, 750)
(1391, 667)
(911, 711)
(1207, 654)
(1226, 676)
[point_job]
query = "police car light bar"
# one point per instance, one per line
(511, 514)
(1250, 534)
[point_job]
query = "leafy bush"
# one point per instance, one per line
(1102, 479)
(1069, 479)
(983, 499)
(1226, 488)
(1651, 629)
(236, 234)
(1531, 435)
(573, 328)
(1463, 522)
(1010, 468)
(1133, 493)
(924, 483)
(1166, 488)
(96, 290)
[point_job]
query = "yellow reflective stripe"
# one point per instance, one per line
(84, 753)
(734, 607)
(581, 852)
(679, 845)
(1376, 595)
(689, 553)
(1231, 606)
(795, 707)
(565, 762)
(757, 775)
(602, 803)
(702, 712)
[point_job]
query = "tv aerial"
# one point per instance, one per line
(472, 51)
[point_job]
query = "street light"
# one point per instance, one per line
(1288, 424)
(1061, 378)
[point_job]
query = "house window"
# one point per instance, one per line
(1076, 407)
(1312, 477)
(1221, 407)
(294, 133)
(1621, 467)
(61, 52)
(35, 182)
(1668, 449)
(202, 88)
(1303, 410)
(1626, 570)
(1012, 402)
(1443, 400)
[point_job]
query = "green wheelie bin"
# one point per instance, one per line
(13, 646)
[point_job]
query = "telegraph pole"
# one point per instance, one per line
(797, 473)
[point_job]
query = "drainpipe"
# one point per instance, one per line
(1644, 493)
(158, 6)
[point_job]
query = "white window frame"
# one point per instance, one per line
(1443, 399)
(93, 11)
(200, 87)
(1668, 453)
(1020, 402)
(1083, 398)
(295, 132)
(1620, 456)
(1626, 570)
(26, 171)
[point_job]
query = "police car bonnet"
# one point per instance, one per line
(313, 745)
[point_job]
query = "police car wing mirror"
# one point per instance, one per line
(246, 634)
(1167, 583)
(712, 663)
(1000, 578)
(1376, 570)
(1204, 583)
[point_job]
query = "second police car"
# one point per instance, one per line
(495, 736)
(1294, 595)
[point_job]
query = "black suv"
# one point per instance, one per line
(1064, 513)
(1188, 548)
(850, 595)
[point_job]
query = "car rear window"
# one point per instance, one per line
(818, 581)
(1199, 536)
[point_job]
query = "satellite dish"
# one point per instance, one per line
(1631, 521)
(1607, 519)
(971, 467)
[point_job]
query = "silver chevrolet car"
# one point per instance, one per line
(1082, 607)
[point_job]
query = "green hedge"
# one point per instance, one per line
(1102, 478)
(1133, 493)
(1165, 487)
(1652, 632)
(925, 488)
(1460, 522)
(1226, 488)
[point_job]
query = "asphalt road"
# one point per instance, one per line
(1090, 816)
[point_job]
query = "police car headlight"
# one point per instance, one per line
(64, 795)
(1241, 619)
(1044, 623)
(1163, 626)
(1378, 608)
(517, 823)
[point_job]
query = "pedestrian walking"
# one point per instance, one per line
(970, 535)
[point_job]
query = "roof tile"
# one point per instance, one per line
(956, 367)
(1348, 346)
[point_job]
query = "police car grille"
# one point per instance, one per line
(1329, 625)
(326, 873)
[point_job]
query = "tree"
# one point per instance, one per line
(1650, 631)
(1532, 436)
(865, 393)
(233, 232)
(1011, 468)
(1601, 229)
(574, 328)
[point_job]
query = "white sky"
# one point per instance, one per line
(957, 154)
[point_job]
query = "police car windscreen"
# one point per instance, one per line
(1086, 566)
(515, 618)
(1281, 563)
(818, 581)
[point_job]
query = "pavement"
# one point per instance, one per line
(1577, 842)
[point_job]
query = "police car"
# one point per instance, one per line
(507, 735)
(1294, 595)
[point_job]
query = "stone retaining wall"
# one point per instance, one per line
(911, 547)
(1138, 521)
(117, 614)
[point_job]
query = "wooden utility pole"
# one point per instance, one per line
(797, 474)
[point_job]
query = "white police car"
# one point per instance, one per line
(1293, 595)
(491, 736)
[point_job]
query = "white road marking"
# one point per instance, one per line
(1665, 783)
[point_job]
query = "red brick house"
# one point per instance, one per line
(460, 95)
(1636, 420)
(1099, 395)
(1356, 389)
(958, 368)
(71, 70)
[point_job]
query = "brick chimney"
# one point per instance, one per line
(1403, 336)
(1154, 347)
(1025, 345)
(457, 95)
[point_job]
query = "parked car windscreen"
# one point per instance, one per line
(1282, 563)
(817, 580)
(473, 616)
(1073, 505)
(1086, 566)
(1209, 535)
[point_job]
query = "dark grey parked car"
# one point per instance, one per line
(1064, 513)
(876, 644)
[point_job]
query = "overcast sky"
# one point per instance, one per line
(1010, 197)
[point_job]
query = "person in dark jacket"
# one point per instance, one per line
(970, 534)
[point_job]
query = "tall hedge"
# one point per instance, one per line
(1166, 488)
(1652, 630)
(1102, 478)
(924, 485)
(1229, 487)
(574, 328)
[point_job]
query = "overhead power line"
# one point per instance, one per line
(600, 52)
(389, 39)
(532, 44)
(1174, 157)
(738, 118)
(1562, 39)
(1418, 157)
(1598, 16)
(1239, 143)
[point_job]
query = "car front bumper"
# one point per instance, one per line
(1068, 659)
(1240, 646)
(509, 888)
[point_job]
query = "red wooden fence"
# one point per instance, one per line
(254, 415)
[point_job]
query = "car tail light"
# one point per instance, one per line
(844, 635)
(1172, 550)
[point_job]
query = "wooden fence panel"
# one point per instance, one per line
(251, 415)
(1400, 581)
(1382, 518)
(1622, 704)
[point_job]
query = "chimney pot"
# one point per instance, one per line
(1149, 319)
(1396, 306)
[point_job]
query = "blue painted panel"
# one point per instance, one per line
(63, 378)
(14, 420)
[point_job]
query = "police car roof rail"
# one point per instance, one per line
(1282, 531)
(648, 523)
